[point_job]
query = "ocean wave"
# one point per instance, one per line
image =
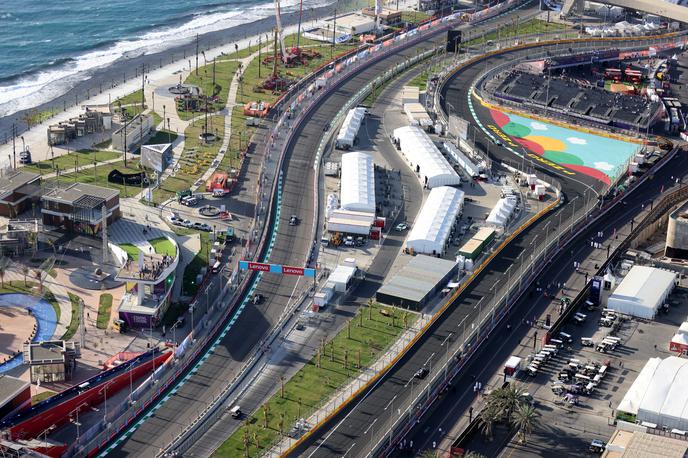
(25, 91)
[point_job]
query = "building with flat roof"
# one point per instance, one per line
(91, 121)
(19, 235)
(18, 191)
(417, 282)
(136, 131)
(638, 444)
(79, 207)
(642, 291)
(358, 182)
(387, 17)
(15, 394)
(51, 361)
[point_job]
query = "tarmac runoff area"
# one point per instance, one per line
(597, 156)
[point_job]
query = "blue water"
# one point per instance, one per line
(42, 311)
(47, 46)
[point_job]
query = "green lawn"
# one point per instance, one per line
(131, 250)
(98, 176)
(162, 136)
(134, 97)
(414, 17)
(34, 116)
(195, 159)
(162, 245)
(371, 333)
(71, 160)
(189, 286)
(36, 398)
(224, 73)
(532, 26)
(104, 307)
(76, 318)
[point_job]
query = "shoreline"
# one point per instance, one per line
(110, 79)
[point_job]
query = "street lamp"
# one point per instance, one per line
(445, 343)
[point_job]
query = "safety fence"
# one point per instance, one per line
(388, 438)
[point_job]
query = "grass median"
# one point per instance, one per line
(72, 160)
(104, 308)
(359, 344)
(76, 317)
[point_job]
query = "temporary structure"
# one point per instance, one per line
(502, 211)
(358, 182)
(425, 158)
(352, 122)
(461, 160)
(435, 220)
(642, 291)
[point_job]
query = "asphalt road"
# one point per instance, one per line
(291, 247)
(349, 433)
(493, 354)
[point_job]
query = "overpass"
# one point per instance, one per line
(656, 7)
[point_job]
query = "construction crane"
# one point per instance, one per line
(278, 20)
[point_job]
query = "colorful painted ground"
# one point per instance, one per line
(599, 157)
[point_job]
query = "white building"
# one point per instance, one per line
(642, 291)
(658, 395)
(358, 182)
(347, 134)
(435, 220)
(350, 222)
(502, 211)
(426, 160)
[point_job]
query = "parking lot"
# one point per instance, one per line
(566, 428)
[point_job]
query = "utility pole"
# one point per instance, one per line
(260, 60)
(213, 74)
(82, 328)
(143, 99)
(334, 33)
(196, 54)
(14, 147)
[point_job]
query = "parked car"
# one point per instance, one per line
(189, 201)
(187, 223)
(349, 241)
(202, 227)
(597, 446)
(177, 221)
(25, 157)
(401, 227)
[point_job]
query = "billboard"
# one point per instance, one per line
(458, 127)
(595, 290)
(277, 268)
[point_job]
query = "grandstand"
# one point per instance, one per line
(578, 98)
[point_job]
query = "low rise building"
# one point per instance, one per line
(642, 291)
(79, 207)
(132, 133)
(51, 361)
(387, 17)
(18, 191)
(18, 236)
(92, 121)
(15, 395)
(156, 157)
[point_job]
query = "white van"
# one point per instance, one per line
(217, 267)
(235, 412)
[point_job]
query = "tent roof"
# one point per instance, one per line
(358, 182)
(351, 124)
(631, 401)
(421, 151)
(437, 215)
(644, 286)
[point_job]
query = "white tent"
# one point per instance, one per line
(461, 160)
(631, 401)
(434, 222)
(658, 394)
(502, 211)
(352, 122)
(358, 182)
(424, 158)
(642, 291)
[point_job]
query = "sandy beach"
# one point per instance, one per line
(119, 78)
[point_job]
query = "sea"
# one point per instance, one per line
(47, 47)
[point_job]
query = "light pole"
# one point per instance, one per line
(391, 414)
(445, 343)
(372, 430)
(193, 336)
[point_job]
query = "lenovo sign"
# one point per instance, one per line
(288, 270)
(277, 268)
(261, 266)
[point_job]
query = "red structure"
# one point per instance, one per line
(57, 410)
(220, 181)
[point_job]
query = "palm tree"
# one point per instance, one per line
(489, 415)
(523, 419)
(38, 273)
(25, 271)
